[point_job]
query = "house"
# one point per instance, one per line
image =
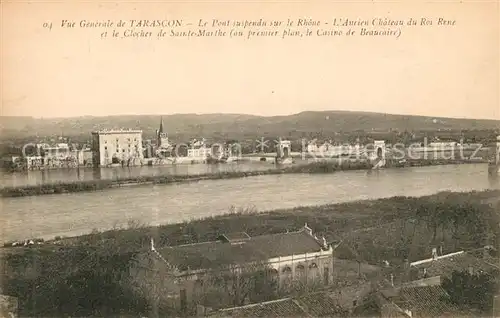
(417, 301)
(423, 295)
(287, 307)
(476, 261)
(179, 276)
(319, 304)
(325, 303)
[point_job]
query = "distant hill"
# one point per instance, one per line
(237, 125)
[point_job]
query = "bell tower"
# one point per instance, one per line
(161, 137)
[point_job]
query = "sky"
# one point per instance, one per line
(429, 70)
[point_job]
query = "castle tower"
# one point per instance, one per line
(379, 154)
(283, 148)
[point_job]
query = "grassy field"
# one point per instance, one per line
(88, 275)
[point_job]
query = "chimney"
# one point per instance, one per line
(152, 245)
(406, 264)
(486, 252)
(434, 253)
(325, 244)
(392, 280)
(308, 229)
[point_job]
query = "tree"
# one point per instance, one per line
(472, 290)
(236, 285)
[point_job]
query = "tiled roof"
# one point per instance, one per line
(211, 254)
(312, 305)
(446, 266)
(427, 301)
(390, 310)
(279, 308)
(321, 305)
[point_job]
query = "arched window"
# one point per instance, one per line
(272, 274)
(300, 272)
(313, 271)
(286, 270)
(272, 271)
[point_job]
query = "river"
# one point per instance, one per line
(37, 177)
(78, 213)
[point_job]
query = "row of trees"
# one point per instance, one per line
(470, 224)
(473, 290)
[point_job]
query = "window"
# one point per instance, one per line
(106, 148)
(326, 275)
(287, 270)
(300, 272)
(272, 272)
(313, 271)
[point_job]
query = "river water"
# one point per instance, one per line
(36, 177)
(78, 213)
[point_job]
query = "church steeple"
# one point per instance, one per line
(160, 131)
(161, 135)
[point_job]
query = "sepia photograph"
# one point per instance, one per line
(250, 159)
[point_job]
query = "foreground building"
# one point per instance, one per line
(319, 304)
(117, 147)
(179, 276)
(423, 295)
(418, 301)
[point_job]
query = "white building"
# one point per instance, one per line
(117, 147)
(199, 153)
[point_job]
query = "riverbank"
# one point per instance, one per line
(407, 163)
(97, 264)
(330, 166)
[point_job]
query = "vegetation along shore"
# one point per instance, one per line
(312, 167)
(377, 230)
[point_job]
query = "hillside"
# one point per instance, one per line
(237, 125)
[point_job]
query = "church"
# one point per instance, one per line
(163, 146)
